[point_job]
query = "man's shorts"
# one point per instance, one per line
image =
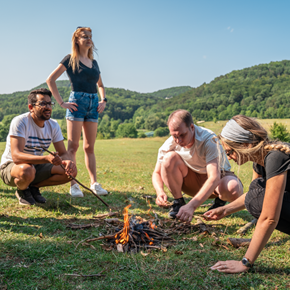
(43, 172)
(193, 182)
(87, 110)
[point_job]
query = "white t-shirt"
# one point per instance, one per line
(204, 150)
(24, 126)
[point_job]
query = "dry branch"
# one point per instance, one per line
(77, 227)
(239, 242)
(202, 226)
(86, 276)
(103, 215)
(246, 227)
(104, 237)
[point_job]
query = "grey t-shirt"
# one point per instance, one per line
(204, 150)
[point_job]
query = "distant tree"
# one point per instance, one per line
(4, 127)
(63, 128)
(279, 132)
(161, 131)
(105, 126)
(142, 135)
(139, 121)
(126, 130)
(153, 122)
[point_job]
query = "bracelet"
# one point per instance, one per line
(61, 103)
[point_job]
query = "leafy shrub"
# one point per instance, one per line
(161, 131)
(4, 127)
(279, 131)
(141, 135)
(126, 130)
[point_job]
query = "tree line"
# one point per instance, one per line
(261, 91)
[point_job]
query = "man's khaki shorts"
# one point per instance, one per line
(193, 182)
(43, 172)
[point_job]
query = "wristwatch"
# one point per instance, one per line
(246, 262)
(105, 100)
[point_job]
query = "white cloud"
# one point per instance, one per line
(204, 56)
(232, 30)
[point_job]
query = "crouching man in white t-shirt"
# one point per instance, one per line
(193, 161)
(23, 164)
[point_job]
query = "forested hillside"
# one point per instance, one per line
(261, 91)
(122, 103)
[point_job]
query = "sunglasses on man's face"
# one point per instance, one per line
(229, 152)
(44, 104)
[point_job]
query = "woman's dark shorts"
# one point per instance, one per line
(87, 110)
(254, 204)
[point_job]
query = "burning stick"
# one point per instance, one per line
(52, 153)
(124, 237)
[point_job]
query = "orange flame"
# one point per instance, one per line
(148, 201)
(152, 226)
(124, 236)
(150, 239)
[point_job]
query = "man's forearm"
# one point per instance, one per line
(205, 192)
(21, 158)
(157, 182)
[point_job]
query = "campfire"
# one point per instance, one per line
(138, 233)
(135, 233)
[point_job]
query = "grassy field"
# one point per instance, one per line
(38, 250)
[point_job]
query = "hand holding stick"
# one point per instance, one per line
(61, 165)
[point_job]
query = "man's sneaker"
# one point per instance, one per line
(177, 204)
(75, 191)
(36, 194)
(217, 203)
(97, 188)
(24, 197)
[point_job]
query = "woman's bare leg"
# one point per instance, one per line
(89, 138)
(74, 129)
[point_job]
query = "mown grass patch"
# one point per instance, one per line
(37, 249)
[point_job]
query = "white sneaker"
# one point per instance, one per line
(97, 188)
(75, 191)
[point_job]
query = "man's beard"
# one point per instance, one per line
(42, 116)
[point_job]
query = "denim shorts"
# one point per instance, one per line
(87, 107)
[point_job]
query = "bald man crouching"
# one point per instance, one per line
(193, 161)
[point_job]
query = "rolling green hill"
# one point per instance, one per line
(122, 103)
(261, 91)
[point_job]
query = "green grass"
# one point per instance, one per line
(28, 261)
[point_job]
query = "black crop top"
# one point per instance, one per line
(275, 163)
(83, 79)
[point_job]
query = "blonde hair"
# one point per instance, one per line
(260, 148)
(75, 53)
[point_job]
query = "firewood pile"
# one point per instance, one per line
(135, 233)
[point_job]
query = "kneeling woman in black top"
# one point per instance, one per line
(268, 198)
(83, 107)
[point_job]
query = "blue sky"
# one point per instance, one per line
(143, 46)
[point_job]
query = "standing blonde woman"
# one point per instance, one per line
(83, 107)
(268, 198)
